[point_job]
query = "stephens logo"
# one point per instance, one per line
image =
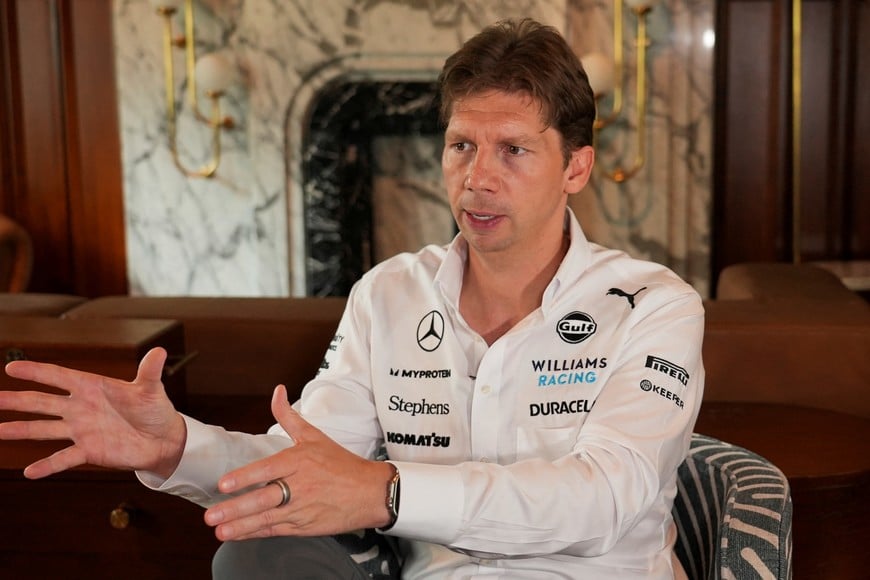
(415, 408)
(576, 327)
(430, 331)
(668, 368)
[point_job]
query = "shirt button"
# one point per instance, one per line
(486, 389)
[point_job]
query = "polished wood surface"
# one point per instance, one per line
(826, 457)
(108, 347)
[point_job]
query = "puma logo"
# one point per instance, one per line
(624, 294)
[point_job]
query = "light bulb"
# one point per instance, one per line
(635, 4)
(166, 4)
(214, 72)
(599, 69)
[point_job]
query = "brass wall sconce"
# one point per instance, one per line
(606, 76)
(213, 73)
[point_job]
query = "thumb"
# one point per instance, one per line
(151, 366)
(291, 421)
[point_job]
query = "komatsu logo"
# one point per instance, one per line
(433, 440)
(576, 327)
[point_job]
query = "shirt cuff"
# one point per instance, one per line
(431, 502)
(201, 465)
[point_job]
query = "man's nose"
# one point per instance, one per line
(481, 173)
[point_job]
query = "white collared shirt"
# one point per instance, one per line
(551, 453)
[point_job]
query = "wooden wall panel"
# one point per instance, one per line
(858, 167)
(95, 195)
(755, 190)
(818, 213)
(60, 172)
(748, 151)
(42, 149)
(9, 173)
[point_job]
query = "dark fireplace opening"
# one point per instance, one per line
(358, 131)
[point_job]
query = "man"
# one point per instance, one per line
(535, 392)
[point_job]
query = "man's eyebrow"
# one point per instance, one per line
(521, 139)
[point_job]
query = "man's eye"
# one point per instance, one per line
(460, 146)
(515, 150)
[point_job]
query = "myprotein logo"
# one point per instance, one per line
(420, 373)
(576, 327)
(668, 368)
(430, 331)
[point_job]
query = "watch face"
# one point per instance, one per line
(393, 496)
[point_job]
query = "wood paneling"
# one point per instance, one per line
(857, 168)
(755, 189)
(61, 168)
(748, 148)
(45, 211)
(10, 177)
(95, 193)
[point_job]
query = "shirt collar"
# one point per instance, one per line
(448, 278)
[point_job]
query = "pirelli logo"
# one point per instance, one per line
(668, 368)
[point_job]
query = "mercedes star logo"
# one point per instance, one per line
(430, 331)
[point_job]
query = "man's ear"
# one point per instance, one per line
(579, 169)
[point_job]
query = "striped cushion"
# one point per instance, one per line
(733, 514)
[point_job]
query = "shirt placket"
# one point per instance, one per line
(484, 427)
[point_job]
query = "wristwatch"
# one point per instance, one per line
(393, 494)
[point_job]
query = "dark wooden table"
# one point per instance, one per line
(826, 457)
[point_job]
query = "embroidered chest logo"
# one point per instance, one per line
(576, 327)
(430, 331)
(626, 295)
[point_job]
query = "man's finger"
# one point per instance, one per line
(33, 402)
(250, 504)
(294, 425)
(52, 375)
(35, 430)
(151, 366)
(62, 460)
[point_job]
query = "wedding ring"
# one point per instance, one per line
(285, 491)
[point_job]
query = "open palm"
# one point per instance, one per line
(111, 423)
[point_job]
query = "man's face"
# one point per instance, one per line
(505, 174)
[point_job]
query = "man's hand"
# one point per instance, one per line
(111, 423)
(332, 490)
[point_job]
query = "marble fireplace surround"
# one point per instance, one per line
(244, 233)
